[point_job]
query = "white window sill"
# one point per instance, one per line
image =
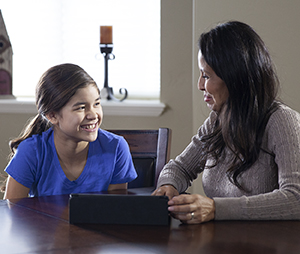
(112, 108)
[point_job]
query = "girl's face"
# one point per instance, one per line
(214, 88)
(81, 117)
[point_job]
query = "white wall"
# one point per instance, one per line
(176, 85)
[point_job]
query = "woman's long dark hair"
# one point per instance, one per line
(54, 89)
(240, 58)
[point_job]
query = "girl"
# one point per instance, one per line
(62, 150)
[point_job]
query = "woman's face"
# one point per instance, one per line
(214, 88)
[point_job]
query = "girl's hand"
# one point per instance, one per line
(166, 190)
(192, 209)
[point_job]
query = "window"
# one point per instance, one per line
(50, 32)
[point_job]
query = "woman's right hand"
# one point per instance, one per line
(166, 190)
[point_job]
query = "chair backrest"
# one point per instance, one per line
(150, 150)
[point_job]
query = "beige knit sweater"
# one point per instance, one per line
(273, 182)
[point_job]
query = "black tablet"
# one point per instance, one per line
(118, 209)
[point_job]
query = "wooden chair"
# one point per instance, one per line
(150, 150)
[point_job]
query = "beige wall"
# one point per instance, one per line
(182, 22)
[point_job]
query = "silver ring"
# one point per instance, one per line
(192, 215)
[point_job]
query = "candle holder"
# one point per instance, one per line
(106, 50)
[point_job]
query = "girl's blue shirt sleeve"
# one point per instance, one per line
(24, 164)
(123, 172)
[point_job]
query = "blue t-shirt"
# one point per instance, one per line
(36, 165)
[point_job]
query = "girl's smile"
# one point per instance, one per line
(90, 127)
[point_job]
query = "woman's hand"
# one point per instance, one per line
(166, 190)
(192, 209)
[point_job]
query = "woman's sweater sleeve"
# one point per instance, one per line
(185, 168)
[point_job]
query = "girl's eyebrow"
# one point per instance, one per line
(82, 103)
(78, 103)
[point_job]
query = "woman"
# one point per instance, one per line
(248, 148)
(62, 150)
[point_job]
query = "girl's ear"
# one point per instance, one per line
(52, 117)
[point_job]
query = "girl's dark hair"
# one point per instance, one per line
(53, 91)
(240, 58)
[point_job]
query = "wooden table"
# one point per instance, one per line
(40, 225)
